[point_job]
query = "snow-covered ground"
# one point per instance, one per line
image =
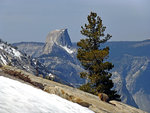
(17, 97)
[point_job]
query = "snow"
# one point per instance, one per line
(50, 75)
(17, 97)
(3, 60)
(67, 49)
(16, 53)
(10, 50)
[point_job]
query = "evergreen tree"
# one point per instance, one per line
(94, 58)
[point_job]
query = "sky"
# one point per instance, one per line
(32, 20)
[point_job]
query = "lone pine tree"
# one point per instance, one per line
(94, 58)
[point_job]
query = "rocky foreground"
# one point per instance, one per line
(72, 94)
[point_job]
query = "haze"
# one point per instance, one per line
(31, 20)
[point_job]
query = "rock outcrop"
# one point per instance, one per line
(57, 38)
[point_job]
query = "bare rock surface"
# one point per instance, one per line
(57, 37)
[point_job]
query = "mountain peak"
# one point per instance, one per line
(57, 37)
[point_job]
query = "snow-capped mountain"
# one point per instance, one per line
(17, 97)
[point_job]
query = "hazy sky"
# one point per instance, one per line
(31, 20)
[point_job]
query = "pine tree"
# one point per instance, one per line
(94, 58)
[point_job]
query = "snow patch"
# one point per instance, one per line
(16, 53)
(67, 49)
(34, 61)
(17, 97)
(10, 50)
(3, 60)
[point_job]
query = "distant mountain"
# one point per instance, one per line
(9, 55)
(58, 38)
(57, 54)
(33, 49)
(130, 58)
(134, 48)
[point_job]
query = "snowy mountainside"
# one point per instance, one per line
(10, 56)
(17, 97)
(10, 50)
